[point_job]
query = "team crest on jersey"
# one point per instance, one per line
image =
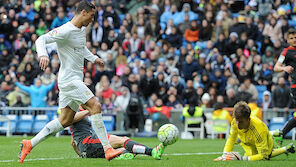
(87, 93)
(54, 33)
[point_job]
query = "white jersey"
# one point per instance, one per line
(71, 48)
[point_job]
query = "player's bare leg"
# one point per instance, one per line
(56, 125)
(94, 107)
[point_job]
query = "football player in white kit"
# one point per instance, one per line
(71, 42)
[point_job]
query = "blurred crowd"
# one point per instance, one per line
(157, 53)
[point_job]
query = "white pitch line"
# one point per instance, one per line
(37, 159)
(209, 153)
(174, 154)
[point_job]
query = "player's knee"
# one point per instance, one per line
(125, 138)
(66, 122)
(96, 108)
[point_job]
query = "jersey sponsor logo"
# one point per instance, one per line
(53, 33)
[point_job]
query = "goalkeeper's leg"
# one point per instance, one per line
(290, 148)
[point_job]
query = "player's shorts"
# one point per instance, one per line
(73, 94)
(91, 147)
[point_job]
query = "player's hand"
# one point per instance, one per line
(221, 158)
(99, 61)
(288, 69)
(233, 156)
(44, 61)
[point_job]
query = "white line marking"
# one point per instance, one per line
(209, 153)
(37, 159)
(174, 154)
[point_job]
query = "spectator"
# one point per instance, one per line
(5, 59)
(283, 91)
(221, 44)
(242, 94)
(152, 28)
(251, 29)
(96, 34)
(107, 92)
(148, 84)
(4, 44)
(184, 25)
(186, 10)
(37, 92)
(122, 101)
(189, 93)
(268, 57)
(251, 88)
(173, 102)
(230, 99)
(4, 91)
(60, 20)
(205, 32)
(134, 111)
(111, 16)
(267, 100)
(273, 30)
(191, 35)
(174, 38)
(160, 108)
(41, 28)
(189, 68)
(232, 45)
(116, 84)
(107, 107)
(48, 77)
(29, 73)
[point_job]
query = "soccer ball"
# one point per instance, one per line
(168, 134)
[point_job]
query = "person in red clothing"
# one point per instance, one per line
(191, 35)
(159, 107)
(108, 92)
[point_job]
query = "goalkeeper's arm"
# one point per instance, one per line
(232, 138)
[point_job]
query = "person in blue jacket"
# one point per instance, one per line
(38, 92)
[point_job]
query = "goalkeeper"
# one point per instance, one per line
(254, 136)
(87, 145)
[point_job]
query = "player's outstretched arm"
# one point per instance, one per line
(54, 35)
(80, 115)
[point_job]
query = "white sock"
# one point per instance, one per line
(51, 127)
(99, 128)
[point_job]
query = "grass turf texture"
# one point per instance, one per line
(61, 149)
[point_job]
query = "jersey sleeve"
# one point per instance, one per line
(232, 138)
(261, 143)
(55, 35)
(89, 56)
(283, 56)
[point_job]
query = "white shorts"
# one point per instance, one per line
(73, 94)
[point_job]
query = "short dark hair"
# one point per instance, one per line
(241, 110)
(291, 31)
(84, 5)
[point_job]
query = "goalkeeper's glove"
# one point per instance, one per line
(221, 158)
(233, 156)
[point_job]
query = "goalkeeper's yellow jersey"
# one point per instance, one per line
(256, 140)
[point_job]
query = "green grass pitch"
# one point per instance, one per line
(58, 152)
